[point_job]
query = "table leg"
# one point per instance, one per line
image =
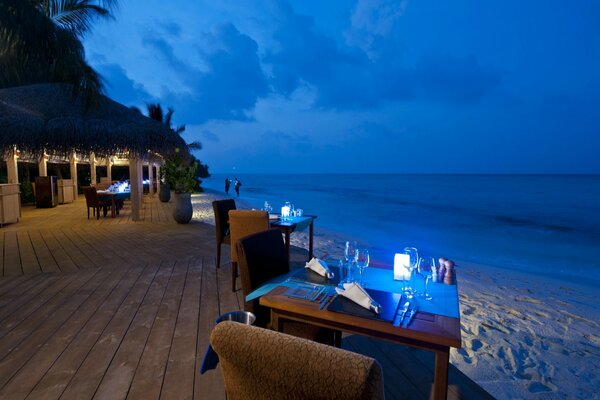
(440, 377)
(275, 322)
(310, 239)
(287, 242)
(113, 208)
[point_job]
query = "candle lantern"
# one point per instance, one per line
(401, 263)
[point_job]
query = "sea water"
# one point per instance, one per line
(543, 224)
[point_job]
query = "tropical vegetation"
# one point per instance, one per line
(156, 112)
(40, 42)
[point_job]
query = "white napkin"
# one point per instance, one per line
(320, 267)
(357, 294)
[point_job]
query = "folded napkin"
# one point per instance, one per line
(320, 267)
(357, 294)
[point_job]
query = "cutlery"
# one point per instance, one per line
(412, 315)
(404, 311)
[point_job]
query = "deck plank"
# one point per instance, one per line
(117, 380)
(148, 378)
(12, 258)
(179, 376)
(27, 377)
(210, 385)
(44, 255)
(56, 379)
(29, 261)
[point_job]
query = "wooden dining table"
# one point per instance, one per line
(115, 198)
(293, 224)
(429, 331)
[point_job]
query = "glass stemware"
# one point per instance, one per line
(362, 262)
(425, 268)
(349, 255)
(413, 254)
(267, 207)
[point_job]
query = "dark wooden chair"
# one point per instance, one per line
(221, 209)
(92, 201)
(261, 257)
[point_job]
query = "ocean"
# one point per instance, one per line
(541, 224)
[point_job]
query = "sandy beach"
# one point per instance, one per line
(524, 336)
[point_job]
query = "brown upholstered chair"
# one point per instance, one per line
(262, 364)
(92, 201)
(261, 257)
(242, 223)
(221, 209)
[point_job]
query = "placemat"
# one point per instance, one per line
(389, 305)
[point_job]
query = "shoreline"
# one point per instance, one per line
(523, 335)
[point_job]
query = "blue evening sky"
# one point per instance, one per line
(465, 86)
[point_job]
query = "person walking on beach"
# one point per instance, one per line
(236, 186)
(227, 185)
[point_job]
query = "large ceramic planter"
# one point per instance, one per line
(164, 193)
(182, 210)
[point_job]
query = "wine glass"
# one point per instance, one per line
(362, 262)
(413, 254)
(349, 255)
(425, 268)
(267, 207)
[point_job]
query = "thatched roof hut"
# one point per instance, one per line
(49, 118)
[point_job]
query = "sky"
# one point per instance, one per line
(365, 86)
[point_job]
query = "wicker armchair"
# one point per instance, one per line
(243, 223)
(92, 201)
(261, 364)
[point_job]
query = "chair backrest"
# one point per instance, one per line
(243, 223)
(91, 196)
(221, 209)
(261, 256)
(262, 364)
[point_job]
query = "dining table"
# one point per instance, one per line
(435, 325)
(294, 224)
(115, 197)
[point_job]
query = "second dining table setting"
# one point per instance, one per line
(413, 301)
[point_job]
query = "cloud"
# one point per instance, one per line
(454, 79)
(120, 87)
(209, 136)
(227, 86)
(368, 70)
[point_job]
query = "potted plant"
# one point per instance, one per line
(179, 174)
(164, 189)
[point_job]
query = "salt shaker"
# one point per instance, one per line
(441, 269)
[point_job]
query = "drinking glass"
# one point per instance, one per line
(349, 255)
(425, 268)
(413, 254)
(267, 207)
(362, 262)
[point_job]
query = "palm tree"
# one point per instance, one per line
(75, 16)
(40, 43)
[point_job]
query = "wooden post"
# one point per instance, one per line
(42, 165)
(93, 168)
(135, 180)
(11, 166)
(73, 167)
(150, 178)
(109, 168)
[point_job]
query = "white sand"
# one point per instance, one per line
(524, 336)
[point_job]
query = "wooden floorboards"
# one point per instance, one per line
(116, 309)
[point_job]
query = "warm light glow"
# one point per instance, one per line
(401, 263)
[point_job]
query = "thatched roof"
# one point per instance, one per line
(47, 117)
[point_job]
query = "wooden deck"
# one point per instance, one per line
(115, 309)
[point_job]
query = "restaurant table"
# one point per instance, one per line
(428, 330)
(114, 198)
(295, 224)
